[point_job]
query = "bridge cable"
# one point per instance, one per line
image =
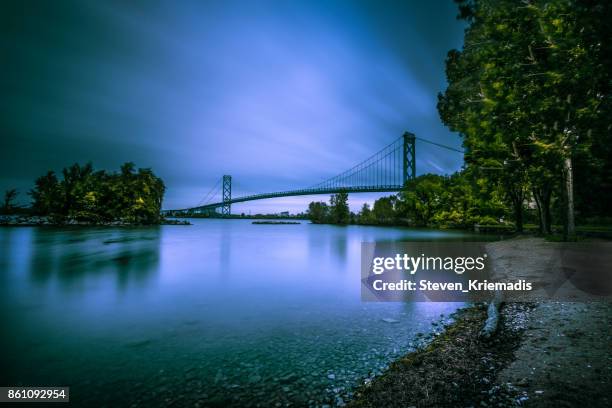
(204, 201)
(440, 145)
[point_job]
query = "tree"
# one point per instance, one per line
(9, 197)
(339, 209)
(365, 215)
(384, 210)
(421, 198)
(318, 212)
(530, 86)
(46, 195)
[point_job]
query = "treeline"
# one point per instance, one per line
(82, 194)
(457, 201)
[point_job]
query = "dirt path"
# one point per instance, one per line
(565, 357)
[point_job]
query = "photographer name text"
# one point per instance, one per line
(472, 285)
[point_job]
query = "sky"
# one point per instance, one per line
(279, 94)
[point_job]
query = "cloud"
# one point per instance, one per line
(279, 95)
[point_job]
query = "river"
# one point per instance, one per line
(219, 313)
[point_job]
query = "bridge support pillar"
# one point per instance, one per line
(226, 209)
(409, 156)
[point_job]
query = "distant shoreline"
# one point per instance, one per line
(45, 221)
(275, 222)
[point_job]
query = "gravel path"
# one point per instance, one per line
(565, 357)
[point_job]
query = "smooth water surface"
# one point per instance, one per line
(222, 312)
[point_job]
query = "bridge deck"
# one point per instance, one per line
(290, 193)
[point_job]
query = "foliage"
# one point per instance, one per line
(97, 196)
(383, 211)
(457, 201)
(339, 209)
(318, 212)
(9, 197)
(365, 216)
(530, 93)
(336, 213)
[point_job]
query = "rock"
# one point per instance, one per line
(522, 399)
(255, 378)
(539, 392)
(389, 320)
(288, 378)
(331, 376)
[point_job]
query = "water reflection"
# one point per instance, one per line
(73, 255)
(225, 251)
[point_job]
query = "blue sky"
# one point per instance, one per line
(279, 94)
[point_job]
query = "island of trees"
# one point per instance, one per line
(530, 95)
(83, 195)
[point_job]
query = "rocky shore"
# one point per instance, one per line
(551, 354)
(544, 353)
(34, 220)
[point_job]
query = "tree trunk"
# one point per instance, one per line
(517, 197)
(515, 192)
(542, 198)
(546, 204)
(536, 197)
(518, 216)
(570, 229)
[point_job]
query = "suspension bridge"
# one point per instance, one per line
(387, 170)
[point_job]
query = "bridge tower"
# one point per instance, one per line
(409, 156)
(226, 209)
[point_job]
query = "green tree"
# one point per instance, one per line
(46, 195)
(86, 195)
(384, 210)
(529, 88)
(339, 209)
(365, 215)
(318, 212)
(422, 198)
